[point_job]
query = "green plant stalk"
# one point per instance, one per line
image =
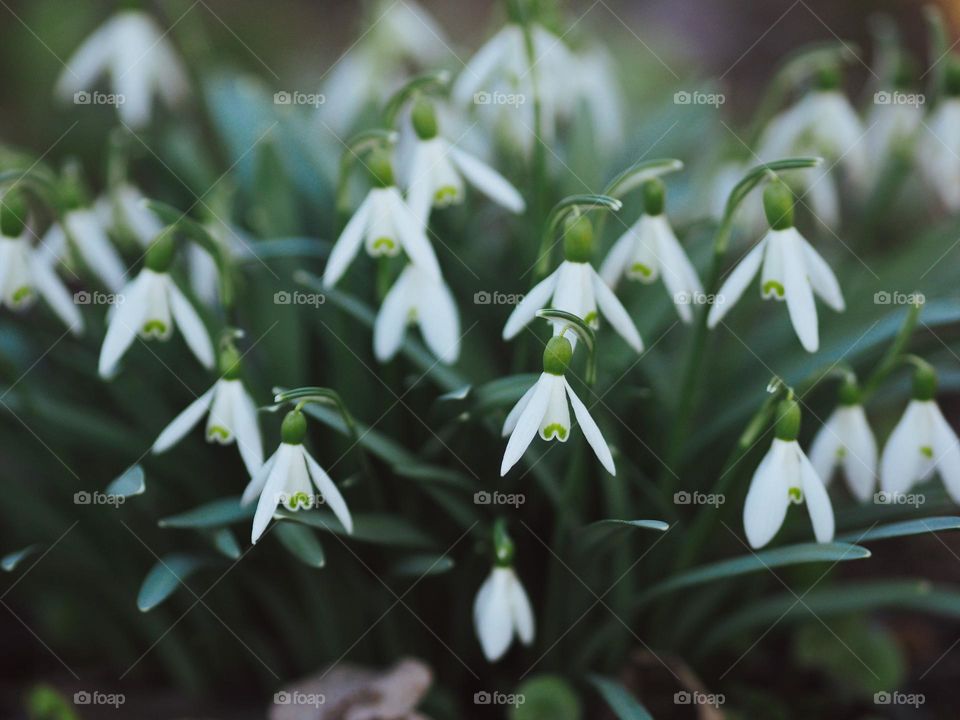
(893, 355)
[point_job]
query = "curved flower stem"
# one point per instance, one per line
(894, 354)
(356, 146)
(571, 204)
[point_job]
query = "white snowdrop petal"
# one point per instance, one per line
(615, 263)
(736, 283)
(420, 192)
(800, 303)
(479, 68)
(492, 618)
(87, 63)
(615, 313)
(391, 322)
(488, 181)
(347, 245)
(183, 423)
(526, 309)
(678, 272)
(439, 320)
(946, 451)
(190, 324)
(327, 488)
(511, 422)
(246, 428)
(860, 460)
(258, 481)
(817, 499)
(521, 611)
(821, 276)
(901, 461)
(411, 234)
(127, 318)
(527, 424)
(52, 289)
(95, 248)
(768, 497)
(590, 430)
(275, 484)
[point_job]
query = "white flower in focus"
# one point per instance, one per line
(438, 169)
(650, 249)
(288, 478)
(152, 305)
(385, 225)
(418, 298)
(137, 55)
(846, 440)
(785, 476)
(922, 443)
(543, 409)
(790, 269)
(500, 611)
(938, 152)
(576, 288)
(232, 416)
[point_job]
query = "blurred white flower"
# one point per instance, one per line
(135, 52)
(86, 231)
(232, 417)
(938, 152)
(418, 298)
(922, 442)
(500, 611)
(846, 440)
(891, 127)
(286, 477)
(128, 214)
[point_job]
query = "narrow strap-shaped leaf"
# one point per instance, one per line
(375, 528)
(226, 543)
(132, 482)
(919, 526)
(218, 513)
(165, 577)
(596, 533)
(302, 543)
(623, 704)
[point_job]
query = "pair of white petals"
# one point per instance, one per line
(418, 297)
(922, 443)
(845, 440)
(288, 477)
(785, 476)
(938, 150)
(501, 611)
(437, 172)
(385, 224)
(151, 305)
(232, 417)
(86, 230)
(135, 52)
(543, 409)
(648, 250)
(26, 272)
(791, 270)
(576, 288)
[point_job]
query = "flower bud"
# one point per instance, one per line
(788, 420)
(557, 355)
(503, 547)
(849, 393)
(13, 214)
(161, 251)
(229, 363)
(424, 119)
(294, 428)
(778, 205)
(578, 239)
(924, 382)
(380, 167)
(653, 196)
(828, 78)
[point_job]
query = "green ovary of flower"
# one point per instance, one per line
(555, 430)
(446, 195)
(22, 294)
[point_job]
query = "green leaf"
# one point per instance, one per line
(755, 562)
(502, 392)
(380, 529)
(639, 173)
(623, 704)
(165, 577)
(226, 543)
(546, 697)
(302, 543)
(286, 247)
(424, 565)
(9, 562)
(603, 530)
(218, 513)
(902, 529)
(132, 482)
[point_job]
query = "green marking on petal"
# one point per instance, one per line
(412, 316)
(154, 327)
(22, 294)
(641, 269)
(555, 430)
(841, 452)
(384, 244)
(926, 451)
(215, 431)
(445, 195)
(796, 495)
(299, 500)
(772, 287)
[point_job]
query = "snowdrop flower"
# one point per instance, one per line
(791, 270)
(502, 609)
(595, 82)
(130, 217)
(385, 224)
(135, 52)
(822, 123)
(785, 476)
(418, 297)
(232, 416)
(438, 169)
(285, 478)
(26, 272)
(891, 126)
(576, 288)
(202, 267)
(846, 439)
(85, 230)
(650, 249)
(152, 305)
(922, 442)
(543, 408)
(938, 146)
